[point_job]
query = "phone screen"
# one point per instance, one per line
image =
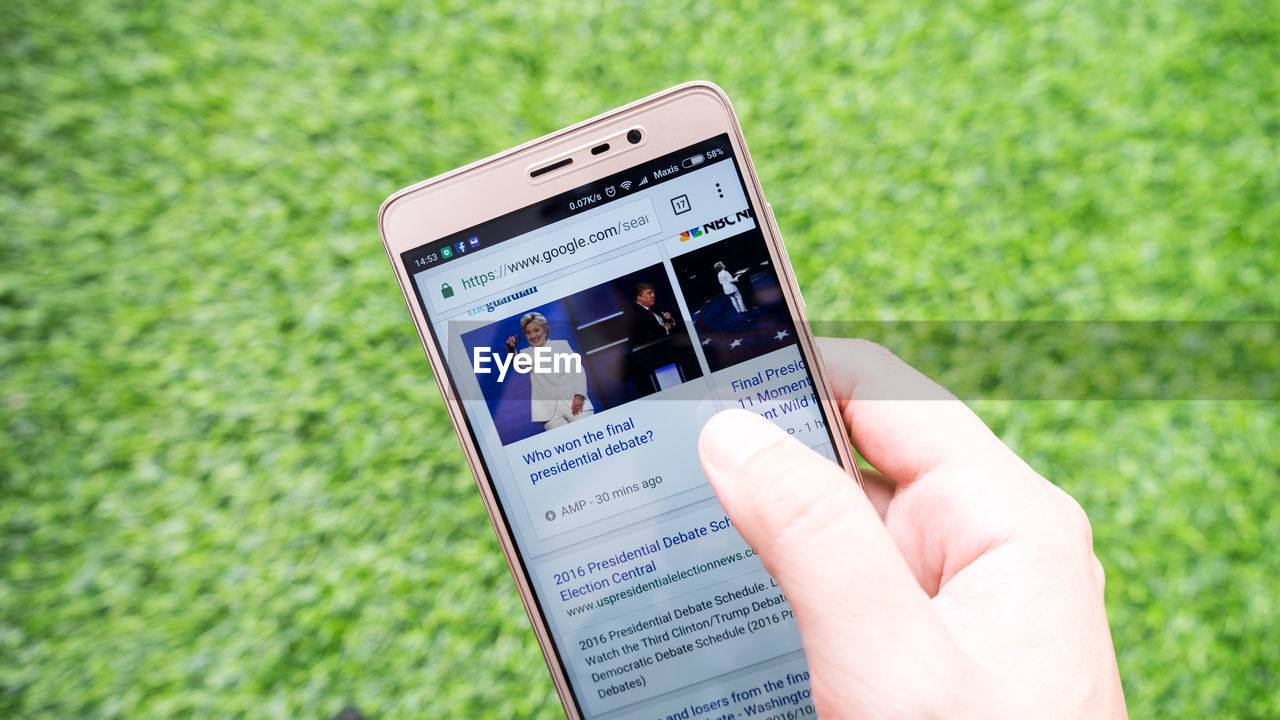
(589, 337)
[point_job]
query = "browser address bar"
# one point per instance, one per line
(544, 251)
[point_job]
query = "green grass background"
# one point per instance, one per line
(228, 487)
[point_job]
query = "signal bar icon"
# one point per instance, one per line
(626, 184)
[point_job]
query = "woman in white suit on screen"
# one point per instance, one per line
(558, 397)
(730, 285)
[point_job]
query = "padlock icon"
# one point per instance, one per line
(445, 290)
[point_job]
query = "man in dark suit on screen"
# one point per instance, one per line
(648, 324)
(653, 336)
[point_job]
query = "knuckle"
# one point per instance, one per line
(1099, 573)
(1079, 520)
(1071, 513)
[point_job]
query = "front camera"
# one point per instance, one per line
(633, 136)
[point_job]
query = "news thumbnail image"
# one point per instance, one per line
(627, 332)
(735, 300)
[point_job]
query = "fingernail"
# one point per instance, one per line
(731, 437)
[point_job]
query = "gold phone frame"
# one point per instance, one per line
(670, 120)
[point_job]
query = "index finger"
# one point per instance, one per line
(903, 423)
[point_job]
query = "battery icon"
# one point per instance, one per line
(692, 161)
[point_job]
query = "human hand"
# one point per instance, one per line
(961, 584)
(575, 407)
(511, 344)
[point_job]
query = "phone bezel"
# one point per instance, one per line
(670, 120)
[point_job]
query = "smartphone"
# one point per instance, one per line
(587, 301)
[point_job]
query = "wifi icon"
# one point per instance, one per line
(626, 184)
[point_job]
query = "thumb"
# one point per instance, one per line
(870, 634)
